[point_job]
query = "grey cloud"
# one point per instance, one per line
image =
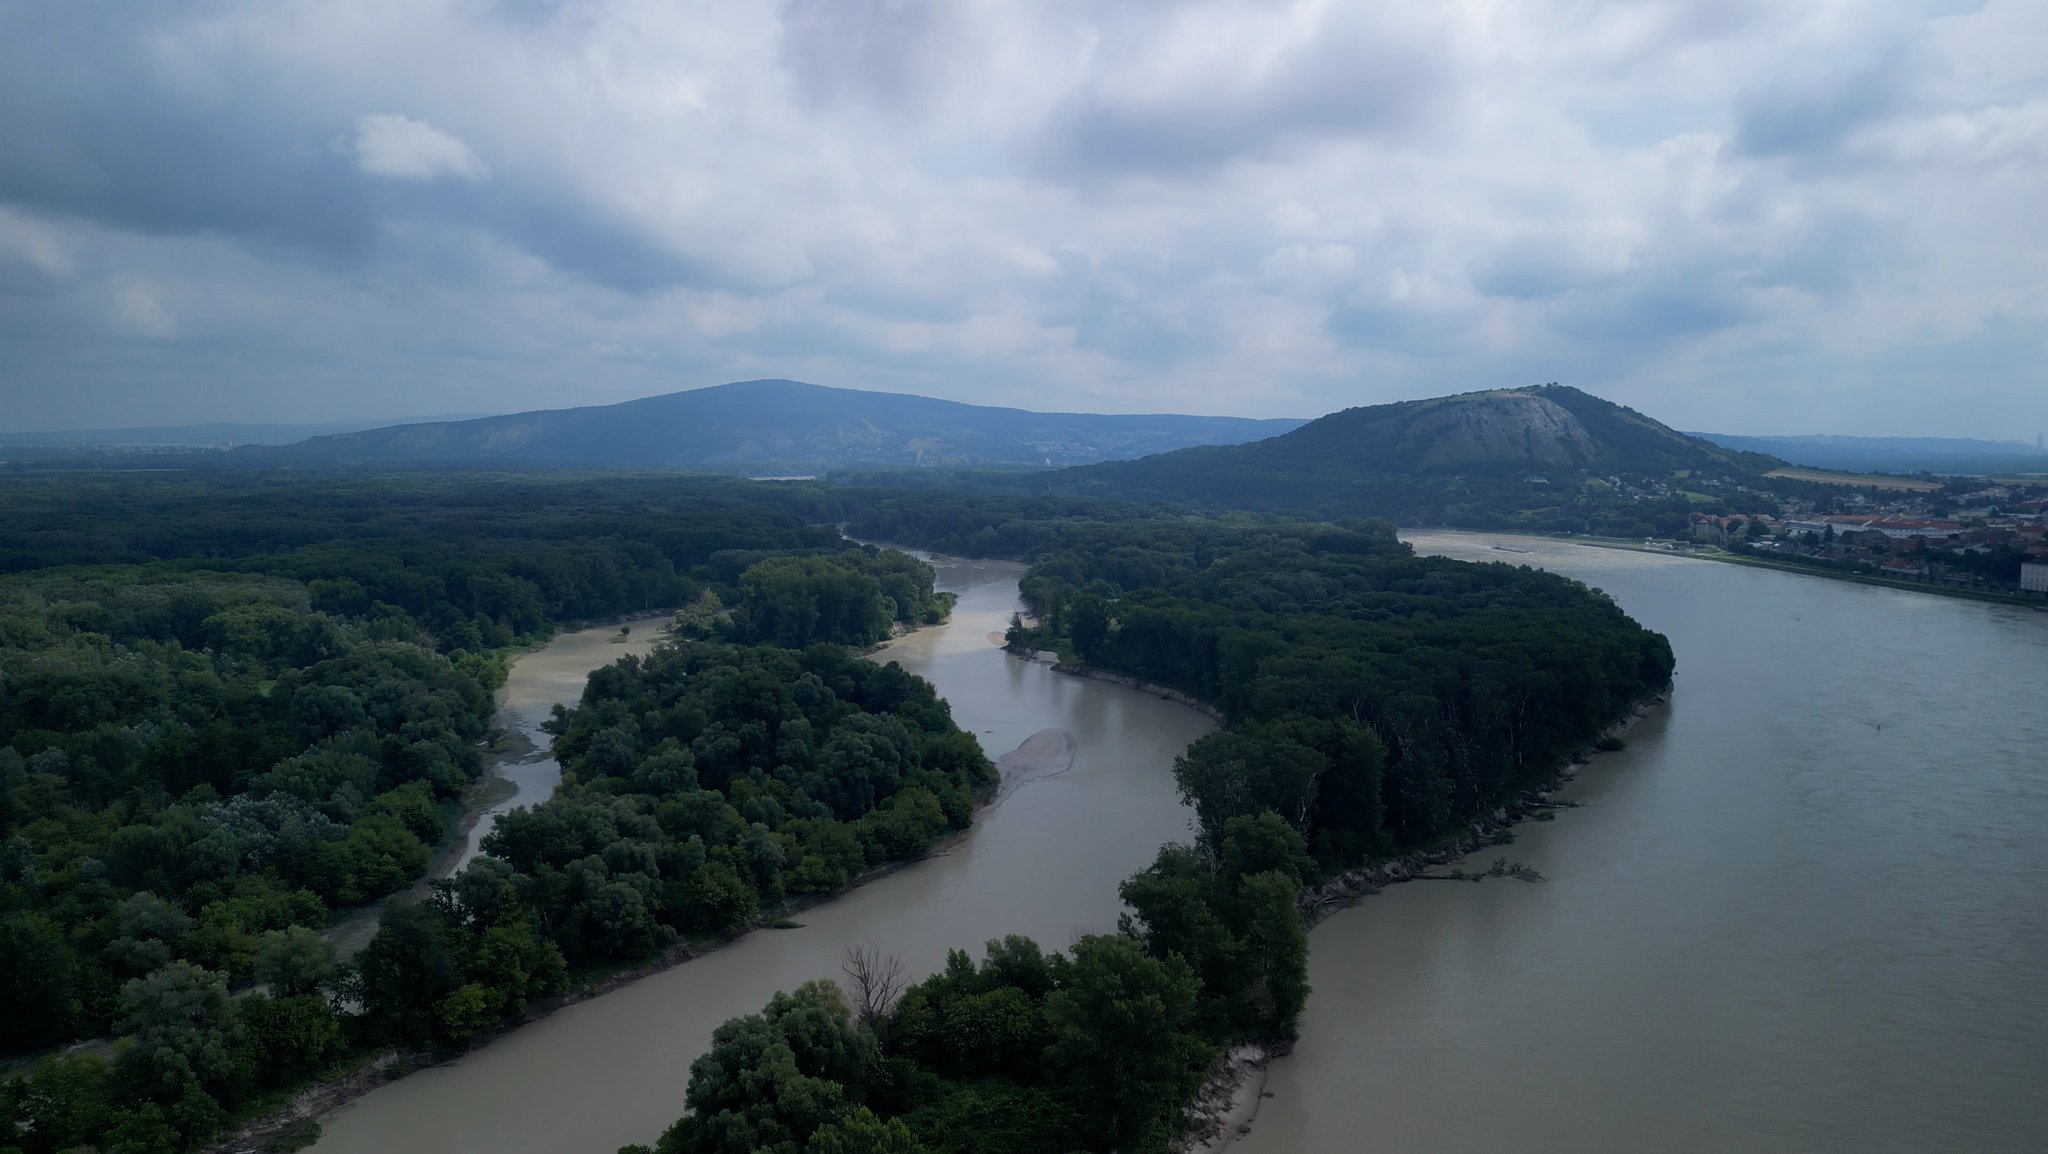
(1351, 79)
(865, 50)
(1528, 269)
(1815, 106)
(1652, 310)
(1056, 203)
(95, 128)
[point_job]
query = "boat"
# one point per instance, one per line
(1511, 549)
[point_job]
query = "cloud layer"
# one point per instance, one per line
(1737, 216)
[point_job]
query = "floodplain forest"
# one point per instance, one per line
(233, 708)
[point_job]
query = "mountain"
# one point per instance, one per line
(782, 426)
(1894, 454)
(219, 434)
(1548, 458)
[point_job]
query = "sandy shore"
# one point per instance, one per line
(1047, 753)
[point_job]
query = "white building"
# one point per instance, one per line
(2034, 577)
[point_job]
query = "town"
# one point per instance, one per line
(1969, 533)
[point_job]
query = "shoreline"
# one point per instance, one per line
(1225, 1107)
(325, 1097)
(507, 745)
(1874, 580)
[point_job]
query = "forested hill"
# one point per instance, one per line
(773, 426)
(1546, 458)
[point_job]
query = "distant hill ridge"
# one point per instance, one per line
(1893, 454)
(777, 424)
(1538, 458)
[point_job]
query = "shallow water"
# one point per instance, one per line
(521, 770)
(536, 682)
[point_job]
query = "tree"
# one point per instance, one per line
(875, 979)
(295, 960)
(187, 1036)
(295, 1036)
(771, 1081)
(39, 988)
(402, 976)
(1122, 1032)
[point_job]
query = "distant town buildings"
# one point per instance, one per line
(1988, 535)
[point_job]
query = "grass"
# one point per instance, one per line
(1861, 480)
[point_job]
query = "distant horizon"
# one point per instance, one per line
(364, 424)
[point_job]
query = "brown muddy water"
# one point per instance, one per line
(1046, 862)
(1805, 910)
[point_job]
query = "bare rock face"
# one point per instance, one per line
(1504, 428)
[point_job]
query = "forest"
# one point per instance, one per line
(1376, 701)
(234, 707)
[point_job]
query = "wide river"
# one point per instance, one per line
(1805, 910)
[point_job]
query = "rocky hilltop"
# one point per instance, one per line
(1500, 428)
(1549, 457)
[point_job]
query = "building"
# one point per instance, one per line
(2034, 577)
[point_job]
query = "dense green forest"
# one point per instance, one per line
(1376, 701)
(233, 706)
(702, 786)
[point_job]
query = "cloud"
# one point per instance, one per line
(391, 145)
(1210, 84)
(294, 208)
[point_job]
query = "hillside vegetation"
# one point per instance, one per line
(768, 427)
(1544, 459)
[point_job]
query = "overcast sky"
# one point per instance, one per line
(1737, 215)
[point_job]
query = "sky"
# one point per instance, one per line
(1734, 215)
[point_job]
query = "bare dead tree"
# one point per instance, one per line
(875, 979)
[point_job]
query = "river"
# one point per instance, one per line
(520, 769)
(1805, 910)
(1045, 862)
(536, 682)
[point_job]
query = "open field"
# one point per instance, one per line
(1871, 480)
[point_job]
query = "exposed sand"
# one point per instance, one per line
(1047, 753)
(1223, 1108)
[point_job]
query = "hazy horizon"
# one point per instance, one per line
(1738, 217)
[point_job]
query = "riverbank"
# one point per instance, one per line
(323, 1098)
(1785, 566)
(1228, 1103)
(1165, 691)
(1043, 754)
(517, 743)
